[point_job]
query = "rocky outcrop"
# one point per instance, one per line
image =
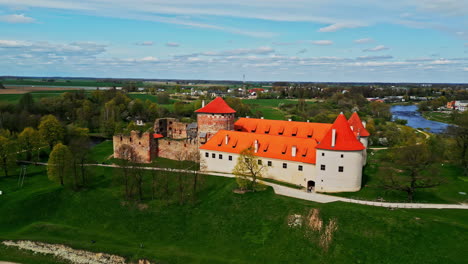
(67, 253)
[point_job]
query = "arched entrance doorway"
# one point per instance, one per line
(310, 186)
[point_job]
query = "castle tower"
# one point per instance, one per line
(359, 129)
(215, 116)
(339, 159)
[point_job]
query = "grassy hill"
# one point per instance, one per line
(221, 227)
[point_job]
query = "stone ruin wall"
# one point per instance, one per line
(143, 144)
(171, 128)
(178, 149)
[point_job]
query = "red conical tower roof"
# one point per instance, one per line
(217, 106)
(344, 137)
(358, 127)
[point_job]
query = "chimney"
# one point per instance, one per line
(227, 139)
(289, 119)
(333, 138)
(203, 103)
(293, 151)
(256, 146)
(352, 128)
(364, 124)
(261, 117)
(308, 121)
(247, 116)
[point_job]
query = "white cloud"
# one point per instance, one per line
(149, 59)
(172, 44)
(338, 26)
(322, 42)
(376, 48)
(13, 44)
(145, 43)
(17, 19)
(364, 40)
(373, 58)
(465, 69)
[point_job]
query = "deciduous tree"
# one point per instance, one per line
(7, 154)
(59, 166)
(29, 141)
(414, 160)
(51, 130)
(248, 170)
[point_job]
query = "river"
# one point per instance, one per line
(415, 119)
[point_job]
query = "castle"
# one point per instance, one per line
(325, 157)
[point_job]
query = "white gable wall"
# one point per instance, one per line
(330, 179)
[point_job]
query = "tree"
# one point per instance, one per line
(7, 154)
(248, 170)
(26, 102)
(29, 141)
(59, 165)
(414, 161)
(51, 130)
(80, 146)
(460, 134)
(1, 86)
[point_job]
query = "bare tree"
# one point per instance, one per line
(248, 169)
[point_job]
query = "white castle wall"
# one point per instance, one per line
(291, 174)
(330, 179)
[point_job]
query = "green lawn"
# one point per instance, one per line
(438, 116)
(14, 98)
(449, 192)
(221, 227)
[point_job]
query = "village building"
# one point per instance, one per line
(319, 156)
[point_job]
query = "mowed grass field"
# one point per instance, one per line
(438, 116)
(64, 82)
(270, 108)
(221, 227)
(14, 98)
(453, 190)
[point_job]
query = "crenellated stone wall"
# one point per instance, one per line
(143, 144)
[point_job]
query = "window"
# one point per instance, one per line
(323, 154)
(230, 157)
(213, 155)
(322, 167)
(207, 154)
(342, 155)
(269, 163)
(285, 165)
(299, 168)
(220, 156)
(260, 162)
(340, 169)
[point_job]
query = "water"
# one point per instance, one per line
(415, 119)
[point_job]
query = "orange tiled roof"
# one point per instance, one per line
(269, 146)
(357, 126)
(284, 128)
(344, 140)
(217, 106)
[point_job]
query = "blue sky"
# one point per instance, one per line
(294, 40)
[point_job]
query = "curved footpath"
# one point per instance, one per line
(303, 195)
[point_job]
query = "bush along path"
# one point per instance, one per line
(302, 194)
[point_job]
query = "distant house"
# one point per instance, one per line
(458, 105)
(461, 105)
(255, 91)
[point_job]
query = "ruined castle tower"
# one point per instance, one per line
(215, 116)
